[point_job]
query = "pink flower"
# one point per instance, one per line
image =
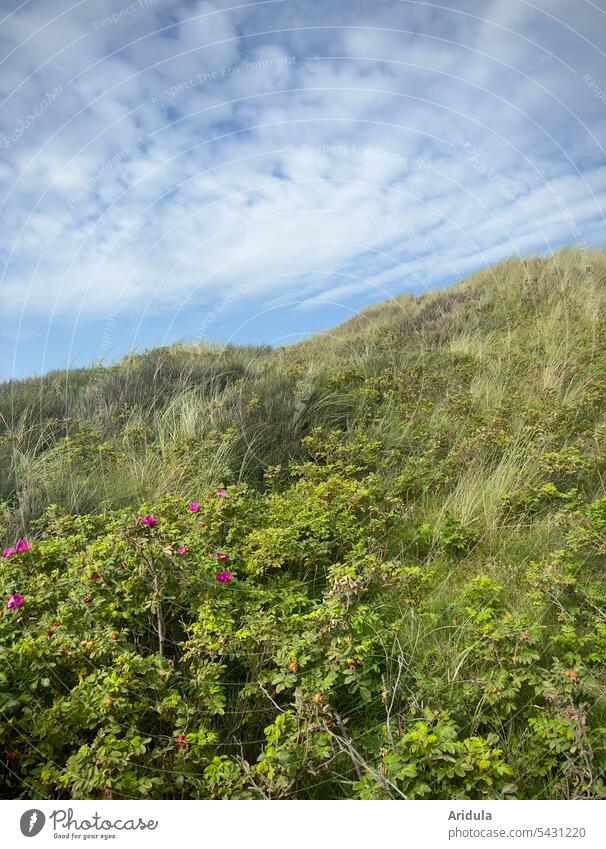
(221, 555)
(149, 520)
(94, 576)
(223, 577)
(193, 506)
(182, 743)
(20, 545)
(221, 492)
(15, 601)
(182, 550)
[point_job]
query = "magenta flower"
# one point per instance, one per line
(149, 520)
(15, 601)
(9, 551)
(223, 577)
(221, 555)
(22, 545)
(182, 550)
(221, 492)
(193, 506)
(182, 743)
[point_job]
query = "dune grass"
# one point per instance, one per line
(468, 426)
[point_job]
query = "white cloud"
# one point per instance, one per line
(119, 195)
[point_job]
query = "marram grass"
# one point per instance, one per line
(392, 584)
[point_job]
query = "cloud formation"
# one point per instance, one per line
(292, 159)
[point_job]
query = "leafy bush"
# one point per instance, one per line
(132, 668)
(368, 566)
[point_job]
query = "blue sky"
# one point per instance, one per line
(259, 171)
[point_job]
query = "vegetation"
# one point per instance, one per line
(370, 565)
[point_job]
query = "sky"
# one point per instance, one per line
(255, 172)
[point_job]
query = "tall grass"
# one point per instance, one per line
(413, 373)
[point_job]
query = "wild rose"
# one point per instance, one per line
(182, 550)
(193, 506)
(221, 555)
(15, 601)
(20, 546)
(182, 743)
(223, 577)
(221, 492)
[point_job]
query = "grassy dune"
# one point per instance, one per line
(415, 530)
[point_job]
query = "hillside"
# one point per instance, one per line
(369, 565)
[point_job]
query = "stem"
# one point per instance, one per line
(160, 626)
(159, 616)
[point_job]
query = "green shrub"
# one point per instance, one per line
(409, 535)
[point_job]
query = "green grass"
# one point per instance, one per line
(462, 432)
